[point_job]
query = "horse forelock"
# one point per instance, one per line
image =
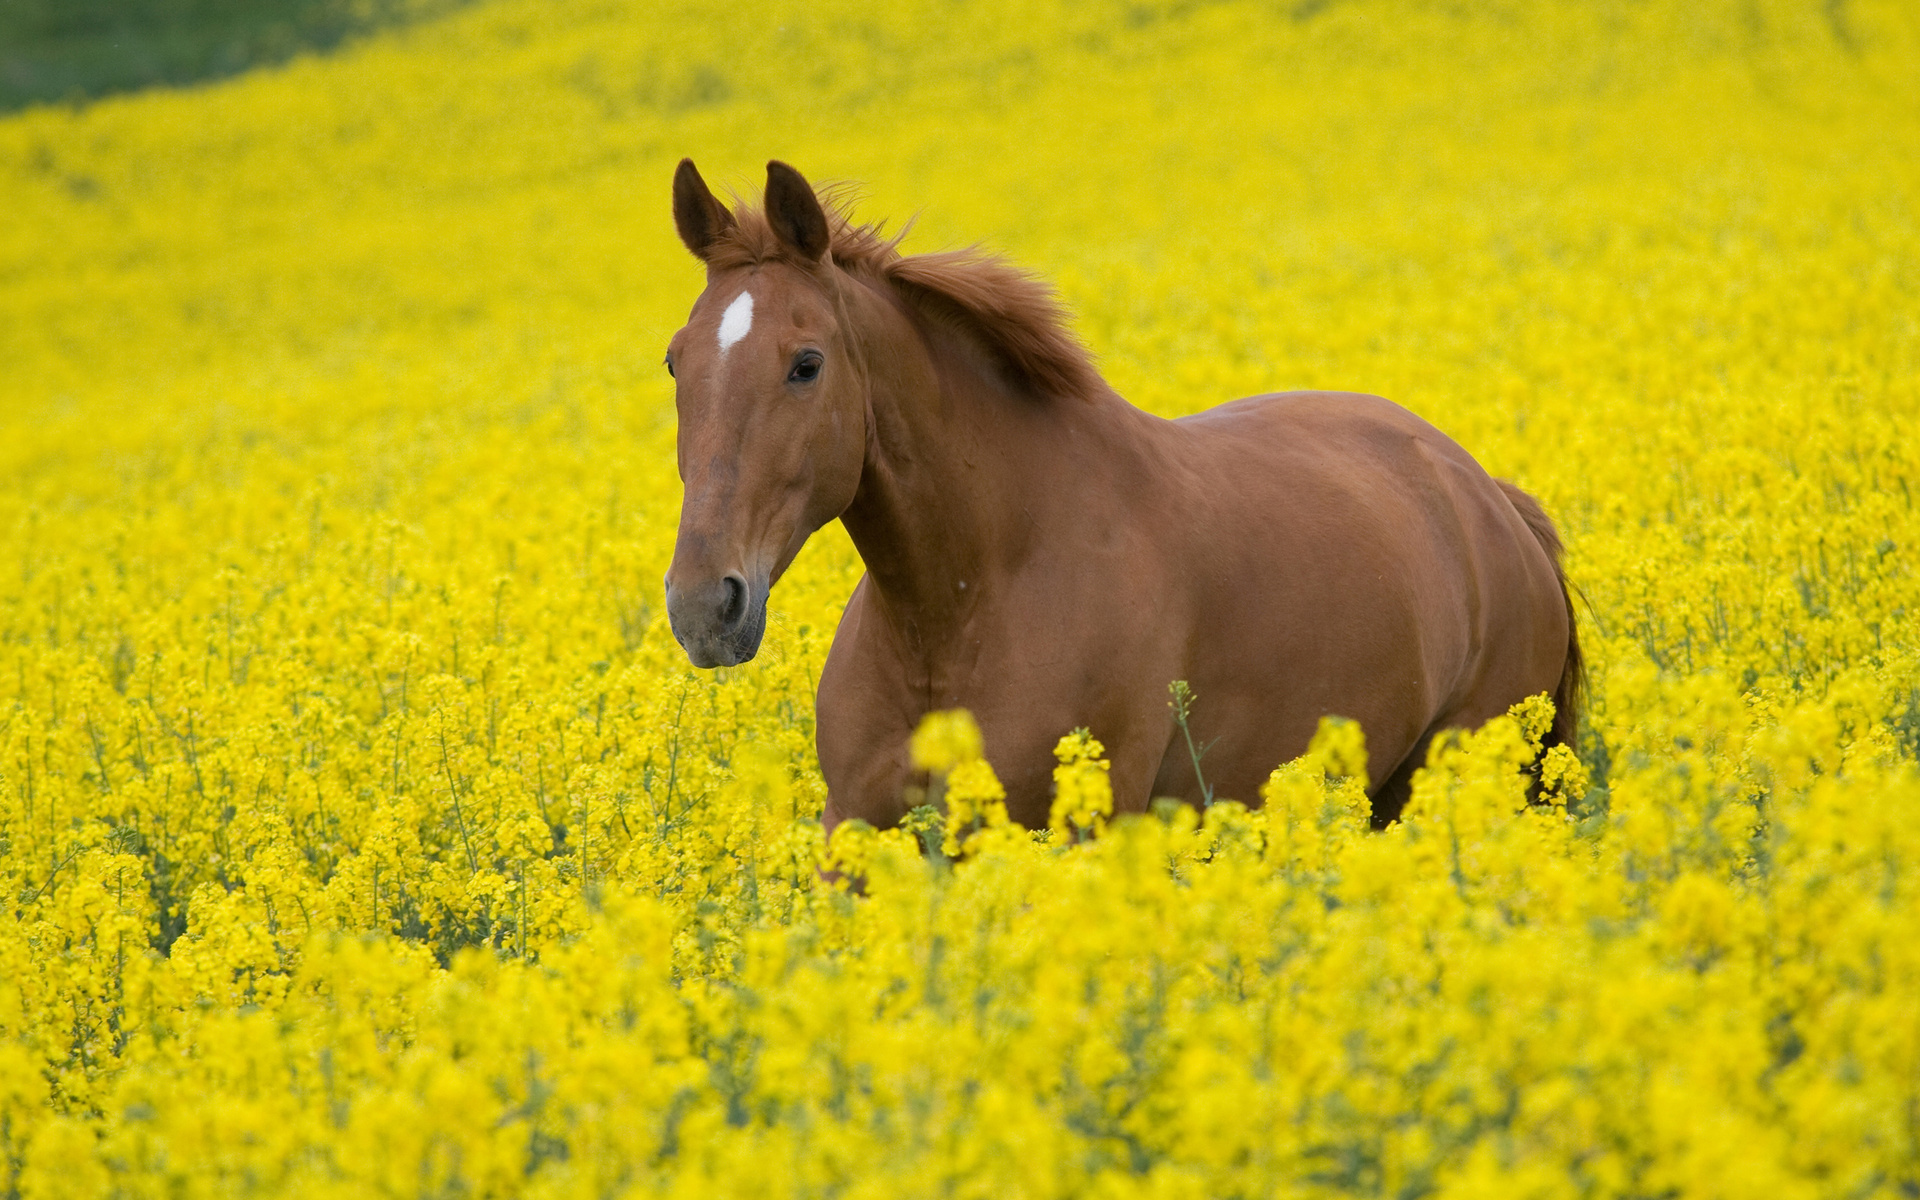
(1016, 316)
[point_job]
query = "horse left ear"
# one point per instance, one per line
(698, 216)
(795, 213)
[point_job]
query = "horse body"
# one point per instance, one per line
(1239, 550)
(1047, 556)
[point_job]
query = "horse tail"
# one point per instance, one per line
(1567, 697)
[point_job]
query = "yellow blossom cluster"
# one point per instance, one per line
(363, 832)
(1082, 793)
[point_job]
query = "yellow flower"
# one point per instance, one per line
(975, 802)
(944, 740)
(1082, 792)
(1339, 746)
(364, 831)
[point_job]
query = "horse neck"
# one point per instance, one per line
(948, 496)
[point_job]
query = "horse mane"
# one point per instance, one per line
(1015, 316)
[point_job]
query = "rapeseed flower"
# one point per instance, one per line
(364, 831)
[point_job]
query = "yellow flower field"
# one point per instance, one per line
(365, 833)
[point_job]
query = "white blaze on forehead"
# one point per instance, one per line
(736, 321)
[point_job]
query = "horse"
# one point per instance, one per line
(1044, 554)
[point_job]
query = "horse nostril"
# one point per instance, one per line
(734, 608)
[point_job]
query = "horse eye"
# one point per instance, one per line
(806, 369)
(669, 362)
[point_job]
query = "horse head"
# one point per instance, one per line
(772, 409)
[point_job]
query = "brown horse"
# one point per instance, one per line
(1048, 556)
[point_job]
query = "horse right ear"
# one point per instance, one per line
(699, 217)
(795, 213)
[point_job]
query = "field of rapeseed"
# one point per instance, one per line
(364, 832)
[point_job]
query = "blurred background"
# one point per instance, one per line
(71, 51)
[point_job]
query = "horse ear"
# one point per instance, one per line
(795, 213)
(699, 217)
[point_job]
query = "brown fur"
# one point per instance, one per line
(1055, 564)
(1570, 693)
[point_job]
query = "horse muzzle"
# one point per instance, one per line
(718, 622)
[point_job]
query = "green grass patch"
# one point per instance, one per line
(72, 51)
